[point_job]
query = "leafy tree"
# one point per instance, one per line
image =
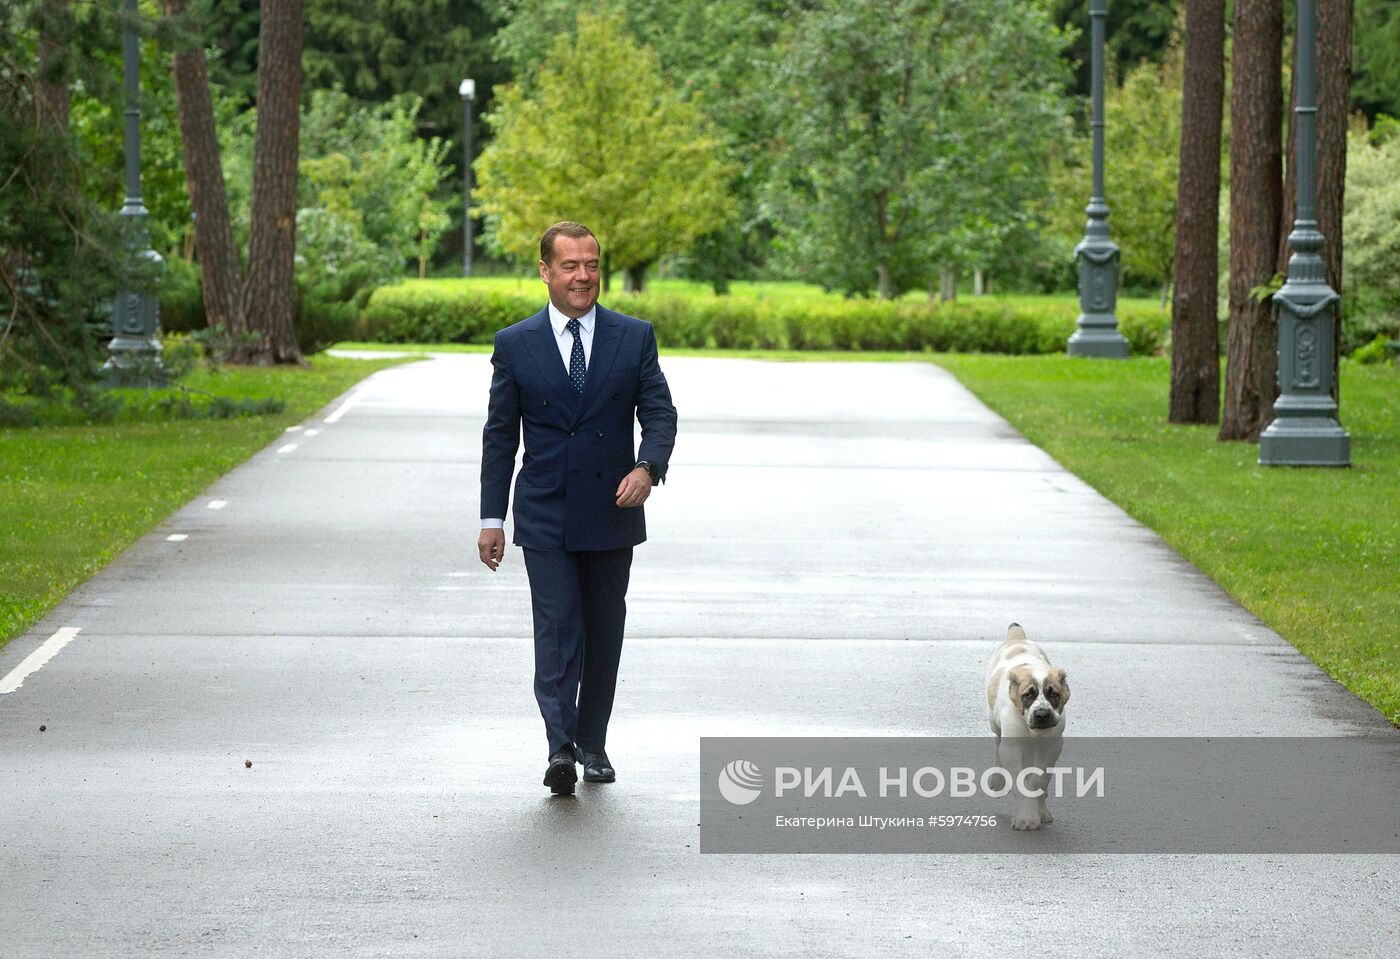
(1136, 31)
(1376, 82)
(61, 256)
(911, 134)
(611, 146)
(1142, 138)
(1372, 223)
(717, 54)
(366, 168)
(98, 105)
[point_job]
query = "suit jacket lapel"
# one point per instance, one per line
(544, 348)
(607, 337)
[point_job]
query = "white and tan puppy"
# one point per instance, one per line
(1026, 699)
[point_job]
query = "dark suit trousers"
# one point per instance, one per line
(579, 601)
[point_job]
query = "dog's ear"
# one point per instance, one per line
(1063, 683)
(1015, 678)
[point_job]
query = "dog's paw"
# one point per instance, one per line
(1025, 822)
(1045, 817)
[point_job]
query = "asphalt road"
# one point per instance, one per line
(836, 552)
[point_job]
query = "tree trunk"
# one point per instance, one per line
(1256, 200)
(635, 277)
(270, 293)
(51, 86)
(1195, 389)
(220, 275)
(947, 283)
(1334, 28)
(882, 274)
(978, 288)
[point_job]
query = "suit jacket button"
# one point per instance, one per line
(546, 402)
(571, 432)
(600, 434)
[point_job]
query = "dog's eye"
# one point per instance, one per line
(1053, 695)
(1028, 696)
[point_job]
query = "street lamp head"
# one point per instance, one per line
(467, 89)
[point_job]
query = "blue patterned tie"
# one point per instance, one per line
(577, 368)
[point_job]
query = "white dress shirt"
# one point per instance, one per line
(565, 341)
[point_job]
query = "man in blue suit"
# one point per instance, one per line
(573, 376)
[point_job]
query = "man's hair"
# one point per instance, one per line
(563, 228)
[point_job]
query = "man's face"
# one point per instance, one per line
(572, 277)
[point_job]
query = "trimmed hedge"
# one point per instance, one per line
(421, 313)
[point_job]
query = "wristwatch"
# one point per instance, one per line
(651, 469)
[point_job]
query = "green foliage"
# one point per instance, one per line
(1371, 228)
(913, 135)
(368, 203)
(716, 53)
(60, 254)
(375, 50)
(368, 184)
(1142, 144)
(462, 312)
(611, 146)
(98, 115)
(1135, 31)
(1375, 85)
(181, 298)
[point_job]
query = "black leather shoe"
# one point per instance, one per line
(561, 774)
(596, 767)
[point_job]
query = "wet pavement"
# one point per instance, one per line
(837, 550)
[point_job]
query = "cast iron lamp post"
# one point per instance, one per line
(1098, 255)
(134, 352)
(1305, 431)
(468, 92)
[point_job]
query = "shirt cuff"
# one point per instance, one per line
(492, 523)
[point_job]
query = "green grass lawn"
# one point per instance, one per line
(1314, 553)
(73, 496)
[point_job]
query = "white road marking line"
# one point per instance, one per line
(31, 663)
(312, 432)
(177, 537)
(217, 503)
(293, 429)
(288, 448)
(340, 410)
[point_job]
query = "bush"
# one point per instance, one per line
(181, 298)
(440, 313)
(325, 313)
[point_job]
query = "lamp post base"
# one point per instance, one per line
(134, 363)
(1098, 340)
(1304, 442)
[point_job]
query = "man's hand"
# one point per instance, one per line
(634, 488)
(491, 545)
